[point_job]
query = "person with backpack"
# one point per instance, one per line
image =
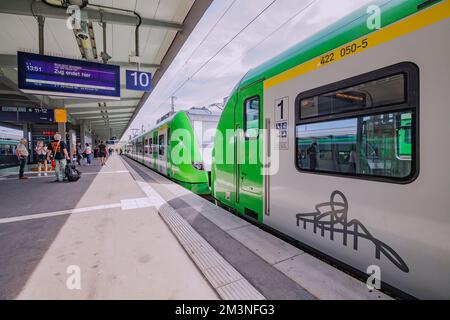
(60, 155)
(41, 151)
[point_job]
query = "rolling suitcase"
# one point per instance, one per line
(72, 173)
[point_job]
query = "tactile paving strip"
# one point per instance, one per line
(228, 282)
(223, 277)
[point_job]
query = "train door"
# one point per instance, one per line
(168, 158)
(150, 150)
(142, 151)
(248, 165)
(162, 152)
(146, 150)
(155, 152)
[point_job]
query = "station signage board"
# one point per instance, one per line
(60, 115)
(48, 133)
(139, 81)
(26, 114)
(55, 76)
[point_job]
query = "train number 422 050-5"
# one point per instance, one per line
(345, 51)
(327, 58)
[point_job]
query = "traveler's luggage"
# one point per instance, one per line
(72, 173)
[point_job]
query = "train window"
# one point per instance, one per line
(362, 146)
(369, 133)
(146, 146)
(371, 94)
(150, 145)
(403, 137)
(6, 149)
(161, 145)
(252, 107)
(139, 148)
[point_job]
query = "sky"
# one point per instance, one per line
(233, 37)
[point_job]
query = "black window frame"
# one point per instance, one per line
(145, 146)
(411, 103)
(258, 97)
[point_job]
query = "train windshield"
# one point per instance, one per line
(205, 133)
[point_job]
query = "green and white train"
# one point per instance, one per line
(180, 148)
(343, 139)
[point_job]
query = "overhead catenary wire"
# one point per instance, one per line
(219, 51)
(217, 74)
(225, 45)
(211, 31)
(303, 9)
(175, 75)
(317, 40)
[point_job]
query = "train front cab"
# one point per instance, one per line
(236, 173)
(191, 173)
(156, 149)
(375, 191)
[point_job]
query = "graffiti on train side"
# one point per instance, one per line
(332, 217)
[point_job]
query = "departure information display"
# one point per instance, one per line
(55, 76)
(26, 114)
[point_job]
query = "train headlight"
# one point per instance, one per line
(198, 165)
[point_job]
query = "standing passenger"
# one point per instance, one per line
(312, 152)
(79, 153)
(103, 151)
(60, 154)
(22, 153)
(41, 151)
(353, 160)
(88, 151)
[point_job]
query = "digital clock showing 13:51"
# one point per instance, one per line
(31, 67)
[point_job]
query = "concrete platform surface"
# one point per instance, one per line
(103, 228)
(126, 232)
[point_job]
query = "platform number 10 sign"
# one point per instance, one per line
(139, 81)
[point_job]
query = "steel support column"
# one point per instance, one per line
(41, 22)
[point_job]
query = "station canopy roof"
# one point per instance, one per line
(166, 25)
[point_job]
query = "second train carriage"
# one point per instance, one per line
(352, 163)
(8, 156)
(180, 148)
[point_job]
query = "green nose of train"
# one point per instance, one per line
(180, 148)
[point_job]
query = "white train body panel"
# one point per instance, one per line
(414, 218)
